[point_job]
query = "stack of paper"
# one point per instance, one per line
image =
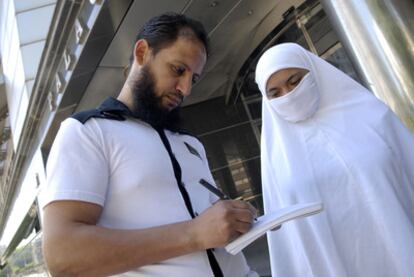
(270, 221)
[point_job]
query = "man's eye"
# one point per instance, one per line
(178, 70)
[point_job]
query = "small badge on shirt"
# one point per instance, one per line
(192, 150)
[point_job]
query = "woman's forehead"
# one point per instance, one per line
(284, 73)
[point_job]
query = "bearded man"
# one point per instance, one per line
(122, 195)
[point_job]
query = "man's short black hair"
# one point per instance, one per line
(163, 30)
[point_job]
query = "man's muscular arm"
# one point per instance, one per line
(75, 246)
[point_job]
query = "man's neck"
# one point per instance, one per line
(125, 96)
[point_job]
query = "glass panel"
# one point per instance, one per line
(242, 180)
(257, 255)
(293, 34)
(259, 126)
(230, 145)
(211, 115)
(320, 30)
(250, 88)
(255, 108)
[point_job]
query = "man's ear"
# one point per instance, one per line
(141, 52)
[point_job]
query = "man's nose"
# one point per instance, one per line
(184, 85)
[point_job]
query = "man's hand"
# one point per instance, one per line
(223, 222)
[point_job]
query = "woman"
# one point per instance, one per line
(326, 138)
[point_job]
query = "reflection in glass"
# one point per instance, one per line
(231, 144)
(241, 180)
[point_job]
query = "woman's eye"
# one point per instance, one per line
(273, 94)
(295, 81)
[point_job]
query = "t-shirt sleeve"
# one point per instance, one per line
(77, 168)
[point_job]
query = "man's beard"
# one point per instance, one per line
(148, 107)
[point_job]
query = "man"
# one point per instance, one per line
(123, 193)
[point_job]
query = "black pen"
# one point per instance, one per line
(213, 189)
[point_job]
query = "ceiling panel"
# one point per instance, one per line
(120, 49)
(33, 25)
(237, 33)
(211, 12)
(107, 81)
(24, 5)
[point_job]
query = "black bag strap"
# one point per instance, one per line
(215, 267)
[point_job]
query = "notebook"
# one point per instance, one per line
(270, 221)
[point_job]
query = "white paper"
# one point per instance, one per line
(270, 221)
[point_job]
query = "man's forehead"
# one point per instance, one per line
(183, 40)
(187, 51)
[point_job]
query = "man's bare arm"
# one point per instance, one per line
(75, 246)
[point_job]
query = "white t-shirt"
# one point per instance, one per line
(124, 167)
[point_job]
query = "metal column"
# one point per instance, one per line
(379, 38)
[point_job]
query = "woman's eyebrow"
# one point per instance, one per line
(271, 89)
(291, 77)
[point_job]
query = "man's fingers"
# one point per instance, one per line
(253, 210)
(244, 215)
(242, 205)
(239, 229)
(242, 227)
(239, 204)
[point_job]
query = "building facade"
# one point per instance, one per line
(61, 57)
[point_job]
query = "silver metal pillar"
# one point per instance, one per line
(378, 35)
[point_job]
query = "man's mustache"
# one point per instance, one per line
(177, 95)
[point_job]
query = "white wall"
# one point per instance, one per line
(23, 30)
(26, 195)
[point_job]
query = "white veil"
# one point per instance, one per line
(356, 157)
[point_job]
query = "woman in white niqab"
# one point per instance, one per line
(331, 140)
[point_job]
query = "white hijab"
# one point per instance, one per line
(344, 147)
